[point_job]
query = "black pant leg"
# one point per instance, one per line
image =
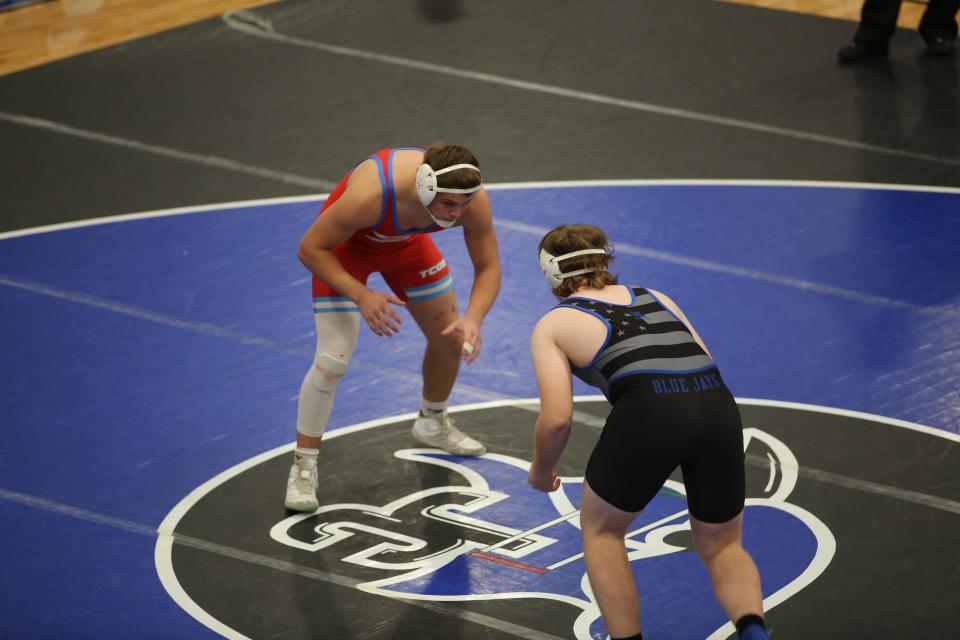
(878, 21)
(940, 20)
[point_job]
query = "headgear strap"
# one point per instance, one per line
(551, 267)
(427, 188)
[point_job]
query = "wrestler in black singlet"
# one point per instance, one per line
(670, 408)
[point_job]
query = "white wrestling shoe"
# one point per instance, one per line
(302, 485)
(440, 431)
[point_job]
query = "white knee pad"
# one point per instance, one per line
(326, 372)
(317, 393)
(336, 339)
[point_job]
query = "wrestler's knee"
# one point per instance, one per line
(447, 346)
(710, 539)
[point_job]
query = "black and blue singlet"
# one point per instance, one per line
(670, 408)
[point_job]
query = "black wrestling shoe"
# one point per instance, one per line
(858, 52)
(941, 47)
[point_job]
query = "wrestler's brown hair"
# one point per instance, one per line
(574, 237)
(442, 155)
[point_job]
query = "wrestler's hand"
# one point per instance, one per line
(471, 336)
(543, 481)
(380, 316)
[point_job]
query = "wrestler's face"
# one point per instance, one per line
(450, 206)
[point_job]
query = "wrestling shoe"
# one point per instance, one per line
(941, 47)
(302, 485)
(859, 52)
(440, 431)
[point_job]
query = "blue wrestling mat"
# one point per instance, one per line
(147, 354)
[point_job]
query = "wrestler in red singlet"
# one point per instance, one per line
(378, 219)
(408, 260)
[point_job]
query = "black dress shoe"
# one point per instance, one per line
(859, 51)
(940, 47)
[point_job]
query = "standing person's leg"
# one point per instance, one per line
(338, 326)
(939, 27)
(878, 23)
(714, 477)
(441, 364)
(735, 579)
(418, 274)
(441, 357)
(605, 554)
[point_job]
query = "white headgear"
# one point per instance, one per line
(551, 266)
(427, 188)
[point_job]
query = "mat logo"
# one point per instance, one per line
(493, 538)
(388, 537)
